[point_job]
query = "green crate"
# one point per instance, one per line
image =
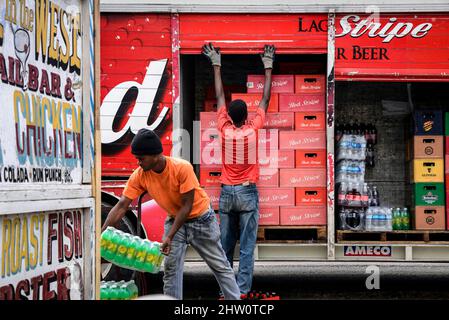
(428, 194)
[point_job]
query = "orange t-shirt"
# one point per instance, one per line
(166, 187)
(239, 148)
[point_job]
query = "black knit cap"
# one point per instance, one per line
(238, 111)
(146, 142)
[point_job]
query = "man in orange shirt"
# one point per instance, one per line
(239, 198)
(172, 183)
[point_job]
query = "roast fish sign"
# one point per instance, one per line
(41, 100)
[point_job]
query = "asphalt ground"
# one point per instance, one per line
(326, 280)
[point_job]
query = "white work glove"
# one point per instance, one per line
(213, 54)
(268, 56)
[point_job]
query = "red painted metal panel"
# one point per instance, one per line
(392, 47)
(131, 44)
(245, 33)
(410, 47)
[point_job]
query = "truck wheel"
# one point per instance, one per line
(111, 272)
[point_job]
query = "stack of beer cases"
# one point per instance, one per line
(446, 164)
(272, 196)
(292, 180)
(308, 141)
(210, 157)
(427, 170)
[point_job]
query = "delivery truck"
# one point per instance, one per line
(356, 118)
(49, 150)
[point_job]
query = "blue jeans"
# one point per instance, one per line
(239, 210)
(203, 234)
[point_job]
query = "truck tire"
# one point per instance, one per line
(111, 272)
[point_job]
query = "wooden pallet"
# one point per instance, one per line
(292, 234)
(397, 236)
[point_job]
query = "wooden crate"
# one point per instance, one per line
(397, 236)
(292, 234)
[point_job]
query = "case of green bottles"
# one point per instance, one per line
(131, 252)
(428, 194)
(121, 290)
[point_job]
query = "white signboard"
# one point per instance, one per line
(40, 92)
(41, 256)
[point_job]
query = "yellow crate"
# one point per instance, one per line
(428, 170)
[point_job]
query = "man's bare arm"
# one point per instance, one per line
(267, 59)
(117, 212)
(219, 91)
(266, 91)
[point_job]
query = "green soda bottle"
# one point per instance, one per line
(396, 219)
(149, 257)
(113, 292)
(126, 287)
(139, 262)
(133, 289)
(131, 252)
(103, 243)
(109, 294)
(405, 219)
(122, 291)
(103, 291)
(122, 249)
(156, 251)
(113, 245)
(106, 245)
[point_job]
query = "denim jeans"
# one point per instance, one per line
(203, 234)
(239, 218)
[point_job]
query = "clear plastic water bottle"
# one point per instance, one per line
(342, 194)
(375, 200)
(375, 220)
(369, 219)
(365, 195)
(385, 219)
(350, 195)
(389, 223)
(357, 196)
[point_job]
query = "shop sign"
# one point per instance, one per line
(41, 256)
(41, 96)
